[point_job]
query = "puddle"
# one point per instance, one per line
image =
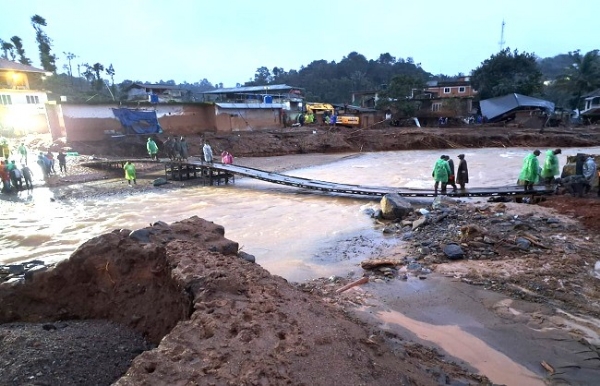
(498, 367)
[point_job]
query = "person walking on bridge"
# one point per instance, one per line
(530, 172)
(152, 149)
(183, 148)
(462, 173)
(451, 177)
(550, 168)
(440, 174)
(208, 153)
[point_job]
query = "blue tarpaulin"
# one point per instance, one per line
(138, 121)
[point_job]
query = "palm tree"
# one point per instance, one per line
(582, 76)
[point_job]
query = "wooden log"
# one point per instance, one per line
(360, 281)
(374, 263)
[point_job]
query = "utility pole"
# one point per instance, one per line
(501, 42)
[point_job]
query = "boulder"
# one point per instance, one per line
(160, 181)
(453, 251)
(393, 207)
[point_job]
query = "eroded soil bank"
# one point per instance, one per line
(217, 318)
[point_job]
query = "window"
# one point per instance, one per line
(446, 90)
(461, 89)
(5, 100)
(33, 100)
(436, 106)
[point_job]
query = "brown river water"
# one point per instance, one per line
(294, 233)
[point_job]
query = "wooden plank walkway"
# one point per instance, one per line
(230, 170)
(217, 173)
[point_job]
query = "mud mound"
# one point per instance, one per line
(219, 319)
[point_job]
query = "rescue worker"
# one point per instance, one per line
(451, 177)
(530, 172)
(130, 174)
(550, 168)
(441, 171)
(27, 176)
(183, 149)
(152, 149)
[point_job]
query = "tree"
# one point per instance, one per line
(507, 72)
(8, 49)
(97, 68)
(20, 50)
(110, 71)
(582, 76)
(69, 56)
(399, 95)
(262, 76)
(44, 43)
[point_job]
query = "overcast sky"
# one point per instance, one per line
(227, 40)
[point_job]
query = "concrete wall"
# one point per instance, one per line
(186, 119)
(93, 122)
(228, 120)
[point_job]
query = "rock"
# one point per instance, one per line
(552, 220)
(424, 250)
(453, 251)
(389, 230)
(407, 236)
(247, 256)
(523, 243)
(35, 270)
(378, 214)
(423, 211)
(141, 235)
(161, 224)
(160, 181)
(419, 222)
(16, 269)
(488, 240)
(393, 206)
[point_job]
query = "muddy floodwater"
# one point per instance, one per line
(293, 233)
(299, 235)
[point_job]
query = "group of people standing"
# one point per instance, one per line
(176, 148)
(443, 173)
(13, 177)
(577, 184)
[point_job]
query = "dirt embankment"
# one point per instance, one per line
(217, 319)
(318, 139)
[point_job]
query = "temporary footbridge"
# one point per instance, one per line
(215, 173)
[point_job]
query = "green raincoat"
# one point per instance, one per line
(129, 171)
(550, 168)
(530, 170)
(441, 171)
(151, 146)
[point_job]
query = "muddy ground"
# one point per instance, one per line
(556, 268)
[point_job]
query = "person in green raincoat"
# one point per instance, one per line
(550, 168)
(530, 172)
(152, 149)
(441, 172)
(130, 172)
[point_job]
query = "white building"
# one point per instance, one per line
(22, 110)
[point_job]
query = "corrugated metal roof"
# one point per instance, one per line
(9, 65)
(495, 107)
(266, 88)
(155, 85)
(249, 105)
